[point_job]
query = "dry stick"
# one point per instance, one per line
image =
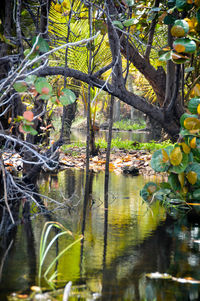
(5, 188)
(89, 95)
(4, 258)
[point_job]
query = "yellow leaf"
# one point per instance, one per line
(179, 48)
(192, 123)
(196, 90)
(58, 8)
(192, 177)
(198, 109)
(181, 179)
(185, 189)
(193, 143)
(165, 156)
(185, 148)
(111, 167)
(176, 156)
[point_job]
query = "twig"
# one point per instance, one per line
(5, 188)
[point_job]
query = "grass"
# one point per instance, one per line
(122, 144)
(128, 125)
(45, 246)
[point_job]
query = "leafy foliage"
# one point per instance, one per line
(41, 88)
(181, 162)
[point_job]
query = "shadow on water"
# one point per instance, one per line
(124, 239)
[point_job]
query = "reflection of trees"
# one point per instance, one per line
(124, 273)
(9, 248)
(87, 198)
(152, 255)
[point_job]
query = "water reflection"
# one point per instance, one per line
(80, 136)
(124, 239)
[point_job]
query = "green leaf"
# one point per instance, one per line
(41, 45)
(174, 182)
(157, 162)
(130, 2)
(176, 156)
(189, 69)
(130, 22)
(148, 190)
(193, 104)
(67, 97)
(20, 86)
(195, 167)
(196, 194)
(192, 177)
(169, 19)
(40, 84)
(30, 79)
(165, 56)
(118, 24)
(182, 166)
(28, 129)
(198, 16)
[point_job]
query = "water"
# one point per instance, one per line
(121, 245)
(139, 136)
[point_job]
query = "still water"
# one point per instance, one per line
(139, 136)
(121, 243)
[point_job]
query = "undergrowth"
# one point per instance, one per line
(122, 144)
(127, 125)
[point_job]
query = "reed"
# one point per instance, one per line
(45, 246)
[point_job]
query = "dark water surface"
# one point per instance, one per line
(121, 244)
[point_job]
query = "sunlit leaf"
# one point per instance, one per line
(176, 156)
(193, 143)
(165, 156)
(182, 166)
(198, 109)
(192, 177)
(192, 123)
(195, 91)
(194, 167)
(185, 148)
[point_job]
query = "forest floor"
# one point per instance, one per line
(120, 160)
(133, 162)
